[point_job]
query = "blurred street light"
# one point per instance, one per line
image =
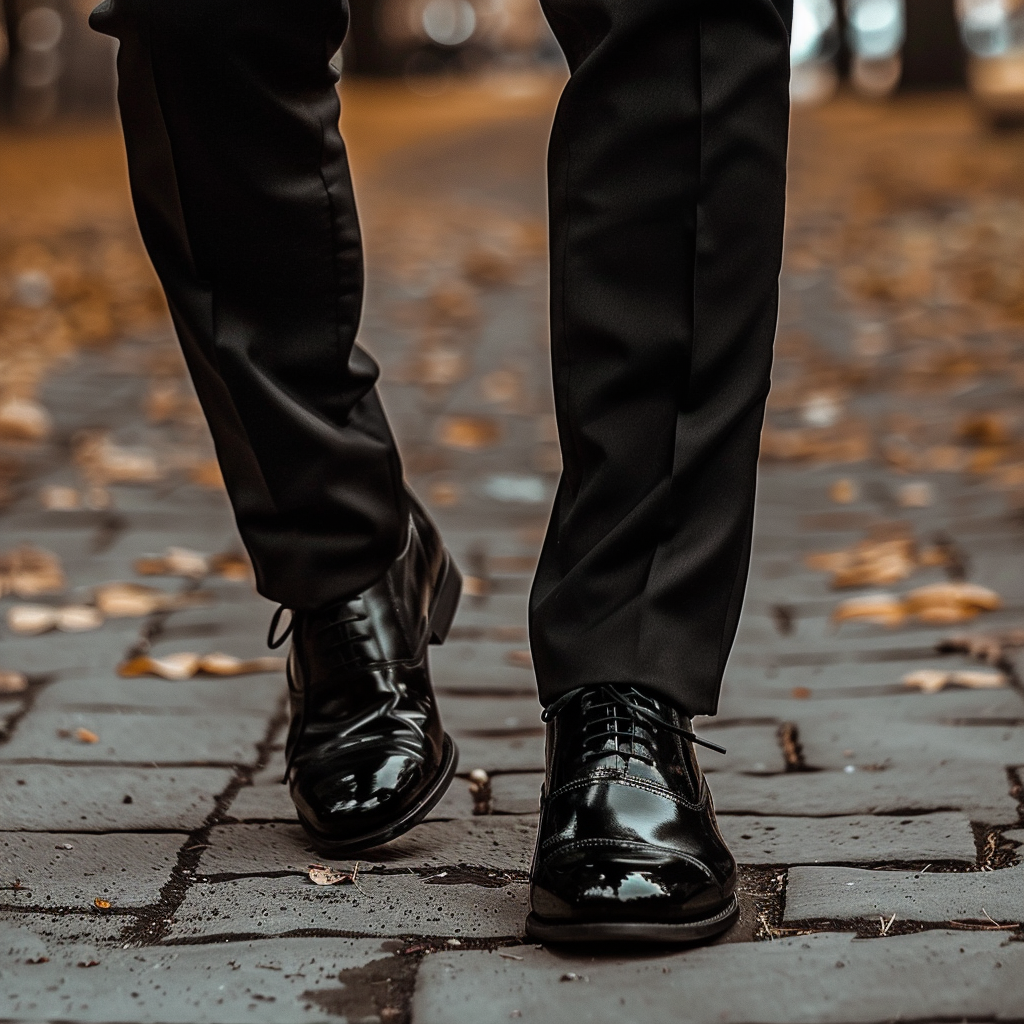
(875, 33)
(993, 32)
(814, 43)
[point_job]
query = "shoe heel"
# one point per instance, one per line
(446, 601)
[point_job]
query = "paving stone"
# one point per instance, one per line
(128, 870)
(80, 935)
(500, 753)
(55, 798)
(856, 839)
(838, 742)
(503, 843)
(383, 905)
(812, 979)
(135, 737)
(490, 717)
(242, 695)
(274, 980)
(837, 893)
(978, 790)
(482, 666)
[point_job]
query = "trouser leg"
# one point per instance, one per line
(242, 191)
(666, 188)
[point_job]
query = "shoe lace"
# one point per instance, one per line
(620, 719)
(338, 646)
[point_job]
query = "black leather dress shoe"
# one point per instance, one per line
(628, 846)
(367, 755)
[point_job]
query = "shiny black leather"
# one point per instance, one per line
(367, 755)
(628, 845)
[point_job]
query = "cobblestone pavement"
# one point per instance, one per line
(150, 866)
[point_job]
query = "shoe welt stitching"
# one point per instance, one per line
(621, 780)
(576, 844)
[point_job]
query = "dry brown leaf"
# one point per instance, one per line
(31, 619)
(12, 682)
(172, 666)
(438, 366)
(230, 565)
(882, 609)
(844, 491)
(469, 433)
(78, 618)
(502, 387)
(942, 602)
(186, 665)
(987, 428)
(21, 419)
(85, 735)
(99, 904)
(989, 647)
(174, 562)
(931, 680)
(868, 563)
(104, 462)
(28, 572)
(60, 499)
(320, 874)
(119, 600)
(918, 494)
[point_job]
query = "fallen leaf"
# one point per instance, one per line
(882, 609)
(868, 563)
(78, 618)
(844, 491)
(988, 428)
(931, 680)
(21, 419)
(31, 619)
(100, 904)
(800, 693)
(230, 565)
(918, 494)
(989, 647)
(475, 586)
(438, 366)
(502, 387)
(185, 665)
(29, 571)
(320, 874)
(128, 600)
(12, 682)
(469, 433)
(172, 666)
(942, 603)
(104, 462)
(443, 494)
(488, 265)
(60, 499)
(86, 735)
(174, 562)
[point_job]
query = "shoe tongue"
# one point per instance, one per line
(614, 732)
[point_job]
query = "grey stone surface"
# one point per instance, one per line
(54, 798)
(981, 791)
(275, 981)
(503, 843)
(382, 905)
(854, 839)
(128, 870)
(135, 737)
(515, 793)
(919, 896)
(258, 694)
(811, 979)
(80, 934)
(501, 753)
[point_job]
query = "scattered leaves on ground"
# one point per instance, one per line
(931, 680)
(185, 665)
(28, 571)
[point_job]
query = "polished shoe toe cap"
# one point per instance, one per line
(629, 884)
(360, 798)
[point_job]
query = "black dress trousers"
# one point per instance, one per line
(667, 190)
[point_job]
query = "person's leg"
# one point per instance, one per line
(243, 197)
(667, 182)
(242, 191)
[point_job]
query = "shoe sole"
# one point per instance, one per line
(342, 847)
(632, 931)
(442, 614)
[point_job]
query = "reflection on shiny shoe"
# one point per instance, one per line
(628, 847)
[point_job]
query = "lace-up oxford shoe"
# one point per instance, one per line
(628, 846)
(366, 753)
